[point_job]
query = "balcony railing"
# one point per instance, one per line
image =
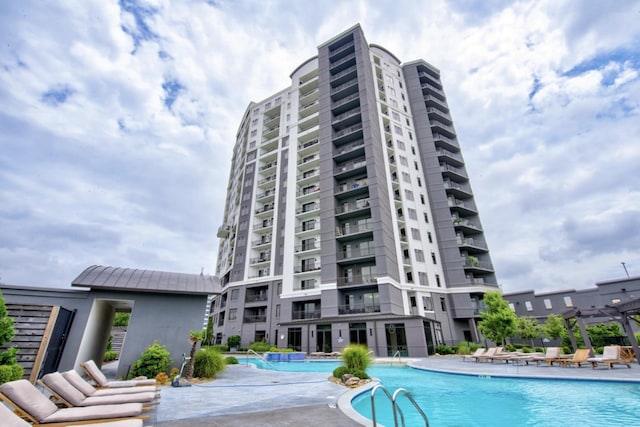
(307, 191)
(353, 229)
(306, 268)
(347, 309)
(301, 314)
(353, 206)
(255, 318)
(345, 100)
(262, 225)
(258, 260)
(355, 253)
(256, 298)
(356, 280)
(306, 247)
(308, 227)
(348, 148)
(353, 185)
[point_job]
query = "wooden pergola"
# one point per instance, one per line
(620, 312)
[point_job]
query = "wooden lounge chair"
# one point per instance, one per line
(36, 408)
(610, 357)
(479, 352)
(11, 419)
(551, 356)
(101, 380)
(70, 396)
(87, 389)
(580, 356)
(492, 351)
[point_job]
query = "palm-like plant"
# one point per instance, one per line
(194, 338)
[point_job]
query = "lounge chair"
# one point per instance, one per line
(610, 357)
(580, 356)
(87, 389)
(96, 375)
(65, 392)
(551, 356)
(11, 419)
(479, 352)
(492, 351)
(36, 408)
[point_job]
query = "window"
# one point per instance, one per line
(415, 234)
(408, 194)
(422, 277)
(568, 302)
(528, 305)
(438, 284)
(547, 304)
(512, 307)
(400, 145)
(233, 313)
(415, 165)
(397, 129)
(443, 304)
(426, 217)
(395, 115)
(403, 161)
(422, 200)
(406, 177)
(254, 122)
(234, 294)
(419, 182)
(427, 303)
(419, 256)
(429, 237)
(433, 257)
(409, 277)
(254, 132)
(277, 311)
(412, 213)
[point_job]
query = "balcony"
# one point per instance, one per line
(342, 119)
(255, 318)
(453, 173)
(357, 206)
(268, 166)
(460, 206)
(263, 225)
(356, 254)
(266, 196)
(349, 151)
(471, 245)
(223, 231)
(306, 268)
(344, 76)
(257, 297)
(308, 160)
(466, 226)
(266, 240)
(307, 247)
(260, 259)
(308, 177)
(353, 230)
(476, 266)
(348, 309)
(308, 109)
(308, 191)
(303, 314)
(306, 145)
(307, 228)
(271, 179)
(352, 188)
(458, 190)
(433, 90)
(356, 279)
(350, 168)
(443, 128)
(344, 90)
(432, 101)
(438, 114)
(345, 104)
(450, 157)
(444, 142)
(264, 209)
(342, 51)
(343, 63)
(308, 209)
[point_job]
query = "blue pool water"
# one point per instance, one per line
(463, 400)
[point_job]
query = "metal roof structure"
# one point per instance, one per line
(135, 280)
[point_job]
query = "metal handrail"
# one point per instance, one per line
(250, 351)
(413, 402)
(397, 353)
(394, 403)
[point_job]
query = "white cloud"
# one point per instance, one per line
(544, 95)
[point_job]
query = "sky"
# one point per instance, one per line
(118, 119)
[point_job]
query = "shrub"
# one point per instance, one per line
(10, 373)
(110, 355)
(230, 360)
(208, 363)
(360, 374)
(233, 341)
(121, 319)
(445, 349)
(356, 356)
(280, 350)
(153, 360)
(222, 348)
(174, 373)
(340, 371)
(162, 378)
(9, 357)
(260, 346)
(463, 348)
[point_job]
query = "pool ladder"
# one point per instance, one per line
(264, 359)
(394, 404)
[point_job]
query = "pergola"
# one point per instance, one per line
(620, 312)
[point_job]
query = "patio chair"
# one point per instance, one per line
(11, 419)
(101, 380)
(492, 351)
(610, 357)
(66, 393)
(580, 356)
(551, 355)
(479, 352)
(87, 389)
(37, 409)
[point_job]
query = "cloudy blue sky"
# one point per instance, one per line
(117, 121)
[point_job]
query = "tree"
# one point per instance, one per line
(554, 326)
(194, 338)
(207, 339)
(527, 328)
(498, 321)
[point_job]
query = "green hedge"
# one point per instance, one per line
(10, 373)
(208, 363)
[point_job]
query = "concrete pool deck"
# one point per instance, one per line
(244, 395)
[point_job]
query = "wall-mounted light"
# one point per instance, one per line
(340, 333)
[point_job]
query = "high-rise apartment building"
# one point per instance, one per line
(349, 216)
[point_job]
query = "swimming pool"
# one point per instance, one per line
(464, 400)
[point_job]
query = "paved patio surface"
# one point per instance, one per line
(243, 395)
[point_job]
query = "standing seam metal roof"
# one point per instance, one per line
(135, 280)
